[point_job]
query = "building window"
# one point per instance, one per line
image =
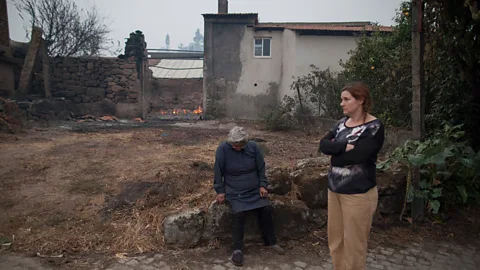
(262, 47)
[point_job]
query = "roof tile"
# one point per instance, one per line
(359, 26)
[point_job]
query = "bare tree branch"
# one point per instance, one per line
(68, 30)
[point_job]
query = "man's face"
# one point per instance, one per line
(238, 146)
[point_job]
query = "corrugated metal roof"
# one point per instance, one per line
(178, 69)
(352, 26)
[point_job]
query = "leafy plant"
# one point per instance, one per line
(449, 168)
(282, 117)
(321, 90)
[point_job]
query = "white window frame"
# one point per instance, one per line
(262, 38)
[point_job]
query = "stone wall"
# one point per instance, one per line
(89, 81)
(87, 85)
(299, 197)
(170, 94)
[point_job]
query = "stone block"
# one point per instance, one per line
(390, 204)
(291, 220)
(66, 76)
(129, 66)
(70, 82)
(86, 99)
(392, 181)
(128, 110)
(64, 94)
(122, 94)
(117, 88)
(92, 83)
(100, 108)
(280, 180)
(184, 229)
(312, 186)
(321, 161)
(116, 71)
(96, 92)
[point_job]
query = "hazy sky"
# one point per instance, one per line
(181, 18)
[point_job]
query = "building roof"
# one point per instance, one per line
(327, 26)
(230, 14)
(177, 69)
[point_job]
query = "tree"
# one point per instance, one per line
(196, 45)
(383, 62)
(167, 42)
(68, 30)
(322, 89)
(198, 41)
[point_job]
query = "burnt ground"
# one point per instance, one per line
(104, 188)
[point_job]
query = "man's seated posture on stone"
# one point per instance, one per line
(240, 179)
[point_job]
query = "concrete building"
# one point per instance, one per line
(250, 65)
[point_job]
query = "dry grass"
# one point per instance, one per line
(89, 186)
(109, 191)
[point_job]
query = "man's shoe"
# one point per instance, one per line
(278, 249)
(237, 257)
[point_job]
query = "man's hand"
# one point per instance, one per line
(263, 192)
(349, 147)
(220, 198)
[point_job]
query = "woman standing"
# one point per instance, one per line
(353, 144)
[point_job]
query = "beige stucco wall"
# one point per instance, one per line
(322, 51)
(288, 62)
(291, 56)
(260, 71)
(252, 93)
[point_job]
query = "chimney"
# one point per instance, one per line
(222, 6)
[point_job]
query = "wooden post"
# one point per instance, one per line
(418, 97)
(27, 70)
(46, 70)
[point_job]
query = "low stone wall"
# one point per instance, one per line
(168, 94)
(87, 82)
(299, 197)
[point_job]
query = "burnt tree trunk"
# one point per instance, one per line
(418, 98)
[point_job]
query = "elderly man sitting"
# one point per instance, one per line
(240, 179)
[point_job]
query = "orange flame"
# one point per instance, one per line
(198, 110)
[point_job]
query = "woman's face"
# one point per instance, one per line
(349, 104)
(238, 146)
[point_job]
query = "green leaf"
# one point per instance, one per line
(467, 162)
(437, 192)
(435, 205)
(458, 134)
(463, 193)
(424, 171)
(424, 184)
(438, 159)
(384, 165)
(416, 160)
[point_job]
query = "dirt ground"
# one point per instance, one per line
(83, 188)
